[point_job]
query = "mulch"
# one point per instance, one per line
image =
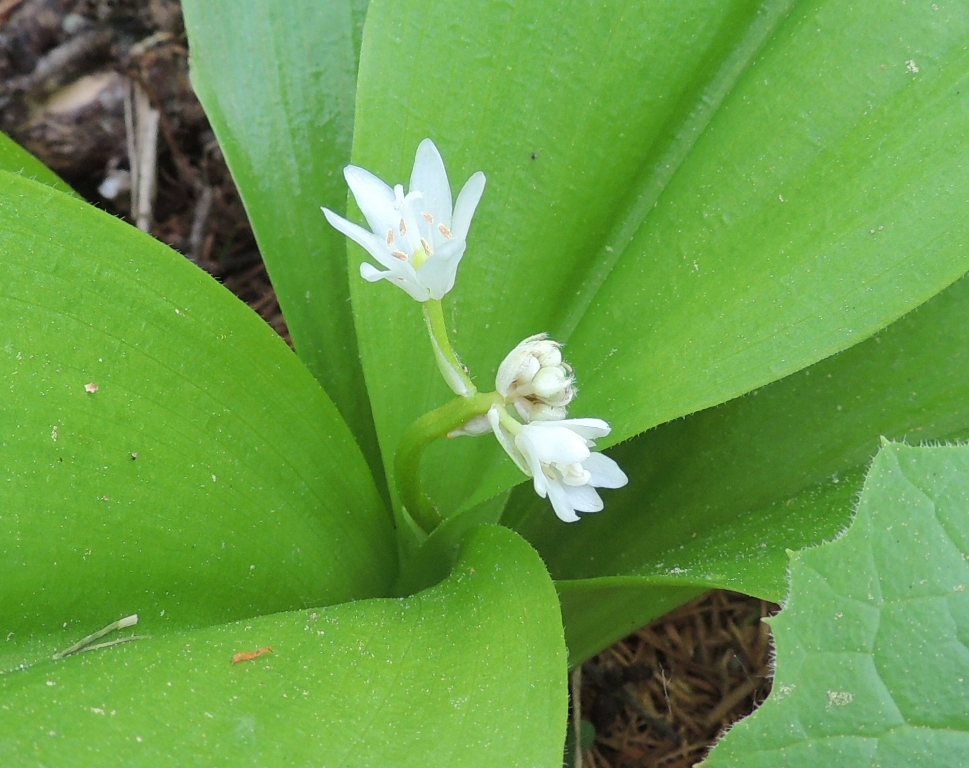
(658, 698)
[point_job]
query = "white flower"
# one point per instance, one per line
(535, 379)
(417, 237)
(557, 456)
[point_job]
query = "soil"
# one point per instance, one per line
(68, 72)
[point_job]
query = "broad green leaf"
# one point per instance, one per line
(277, 81)
(206, 479)
(470, 673)
(16, 159)
(717, 499)
(871, 656)
(699, 198)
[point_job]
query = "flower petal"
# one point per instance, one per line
(552, 442)
(506, 441)
(375, 246)
(467, 203)
(372, 274)
(439, 272)
(561, 503)
(605, 472)
(430, 178)
(583, 498)
(590, 429)
(374, 198)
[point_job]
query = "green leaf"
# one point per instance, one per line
(16, 159)
(871, 655)
(470, 673)
(208, 478)
(277, 81)
(721, 193)
(716, 499)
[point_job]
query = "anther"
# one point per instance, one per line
(399, 254)
(427, 247)
(444, 231)
(390, 238)
(427, 217)
(403, 227)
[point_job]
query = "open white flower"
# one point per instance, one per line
(536, 380)
(417, 237)
(557, 456)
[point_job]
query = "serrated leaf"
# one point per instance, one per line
(162, 450)
(277, 80)
(719, 195)
(439, 679)
(872, 665)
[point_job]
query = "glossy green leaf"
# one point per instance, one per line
(871, 656)
(207, 478)
(470, 673)
(700, 198)
(16, 159)
(277, 81)
(716, 499)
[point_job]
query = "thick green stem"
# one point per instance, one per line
(452, 370)
(428, 428)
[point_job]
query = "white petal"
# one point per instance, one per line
(561, 503)
(374, 198)
(605, 472)
(584, 498)
(506, 440)
(430, 178)
(552, 443)
(371, 274)
(374, 245)
(588, 428)
(466, 204)
(410, 213)
(519, 365)
(413, 289)
(439, 272)
(539, 411)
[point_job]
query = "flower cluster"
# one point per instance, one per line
(420, 239)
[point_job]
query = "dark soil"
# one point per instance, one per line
(658, 698)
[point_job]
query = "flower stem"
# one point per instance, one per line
(428, 428)
(452, 370)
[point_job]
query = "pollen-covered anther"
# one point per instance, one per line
(403, 227)
(399, 254)
(390, 238)
(427, 247)
(427, 217)
(444, 231)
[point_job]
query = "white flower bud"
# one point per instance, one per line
(479, 425)
(535, 379)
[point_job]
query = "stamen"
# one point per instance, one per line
(427, 217)
(427, 247)
(444, 231)
(403, 227)
(390, 238)
(399, 254)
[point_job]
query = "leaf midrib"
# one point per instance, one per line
(682, 131)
